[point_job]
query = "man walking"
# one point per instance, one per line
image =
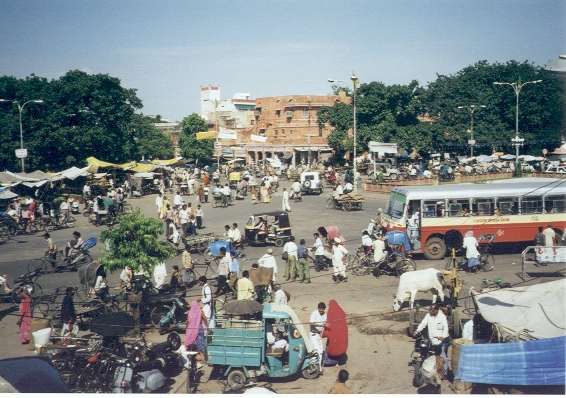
(304, 269)
(286, 206)
(290, 248)
(223, 271)
(338, 254)
(206, 300)
(159, 204)
(245, 287)
(268, 261)
(318, 252)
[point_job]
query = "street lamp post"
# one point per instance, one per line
(517, 141)
(21, 108)
(471, 109)
(354, 80)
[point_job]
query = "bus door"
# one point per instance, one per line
(414, 222)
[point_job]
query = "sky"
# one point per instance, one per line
(166, 49)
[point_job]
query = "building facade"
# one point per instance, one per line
(173, 131)
(286, 126)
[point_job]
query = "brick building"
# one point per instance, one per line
(288, 127)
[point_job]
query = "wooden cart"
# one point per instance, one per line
(198, 243)
(347, 202)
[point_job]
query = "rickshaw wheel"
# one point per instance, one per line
(236, 379)
(311, 372)
(279, 242)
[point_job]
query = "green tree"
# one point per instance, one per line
(150, 142)
(82, 115)
(135, 242)
(191, 148)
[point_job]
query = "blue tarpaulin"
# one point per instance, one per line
(398, 238)
(535, 362)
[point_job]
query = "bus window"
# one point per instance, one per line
(508, 205)
(458, 207)
(483, 206)
(433, 208)
(555, 204)
(531, 205)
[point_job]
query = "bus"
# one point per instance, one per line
(509, 211)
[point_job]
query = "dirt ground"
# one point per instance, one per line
(379, 349)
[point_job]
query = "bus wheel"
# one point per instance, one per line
(435, 249)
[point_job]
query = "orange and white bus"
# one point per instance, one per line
(510, 210)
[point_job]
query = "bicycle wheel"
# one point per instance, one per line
(405, 265)
(360, 271)
(37, 290)
(352, 261)
(487, 262)
(42, 309)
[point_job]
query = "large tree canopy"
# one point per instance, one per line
(82, 115)
(191, 148)
(389, 113)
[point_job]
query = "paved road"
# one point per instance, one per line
(377, 362)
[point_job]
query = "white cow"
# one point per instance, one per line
(418, 281)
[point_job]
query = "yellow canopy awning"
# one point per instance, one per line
(166, 162)
(143, 168)
(94, 164)
(206, 135)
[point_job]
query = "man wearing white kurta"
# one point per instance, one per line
(159, 204)
(268, 261)
(338, 254)
(285, 205)
(317, 322)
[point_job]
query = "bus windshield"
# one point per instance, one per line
(396, 206)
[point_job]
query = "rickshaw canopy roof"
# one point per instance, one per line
(283, 217)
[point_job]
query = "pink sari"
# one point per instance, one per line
(194, 320)
(25, 314)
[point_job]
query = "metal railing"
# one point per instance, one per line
(543, 257)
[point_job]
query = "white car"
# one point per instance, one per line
(310, 182)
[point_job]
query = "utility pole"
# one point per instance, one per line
(472, 109)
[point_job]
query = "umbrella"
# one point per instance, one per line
(507, 157)
(30, 375)
(484, 159)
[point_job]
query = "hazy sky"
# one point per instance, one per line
(167, 49)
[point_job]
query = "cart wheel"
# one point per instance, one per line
(279, 242)
(236, 379)
(311, 372)
(352, 261)
(347, 206)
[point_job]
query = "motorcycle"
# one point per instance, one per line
(171, 315)
(423, 361)
(190, 364)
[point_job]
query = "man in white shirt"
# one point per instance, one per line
(318, 248)
(159, 203)
(338, 254)
(177, 200)
(348, 187)
(437, 327)
(268, 261)
(206, 301)
(379, 249)
(291, 265)
(280, 296)
(235, 234)
(549, 236)
(223, 271)
(367, 243)
(317, 322)
(285, 206)
(471, 244)
(184, 219)
(86, 191)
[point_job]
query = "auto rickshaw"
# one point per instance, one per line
(272, 228)
(234, 178)
(241, 346)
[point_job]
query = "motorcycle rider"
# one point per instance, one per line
(437, 326)
(296, 190)
(74, 245)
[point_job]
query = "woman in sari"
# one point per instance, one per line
(24, 322)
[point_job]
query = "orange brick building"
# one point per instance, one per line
(289, 126)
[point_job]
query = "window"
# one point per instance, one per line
(306, 113)
(531, 205)
(508, 205)
(433, 208)
(278, 113)
(396, 205)
(458, 207)
(555, 204)
(283, 131)
(483, 206)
